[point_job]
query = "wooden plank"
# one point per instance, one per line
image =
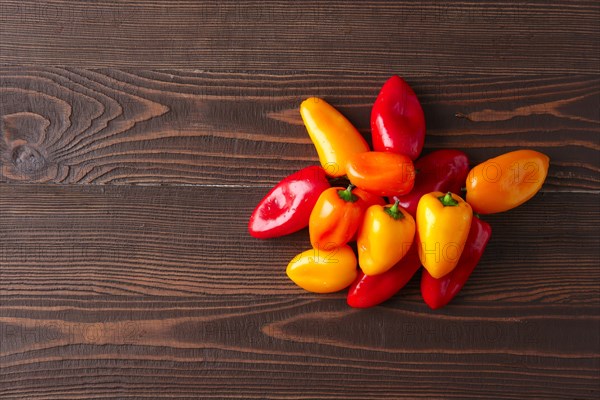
(194, 127)
(133, 292)
(187, 241)
(497, 37)
(291, 347)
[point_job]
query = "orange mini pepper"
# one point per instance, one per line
(334, 137)
(335, 218)
(507, 181)
(443, 223)
(381, 173)
(323, 271)
(384, 238)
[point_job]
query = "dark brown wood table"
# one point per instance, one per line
(136, 138)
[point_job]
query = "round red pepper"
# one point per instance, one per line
(370, 290)
(440, 171)
(438, 292)
(397, 119)
(287, 207)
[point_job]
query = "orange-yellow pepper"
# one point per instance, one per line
(507, 181)
(335, 218)
(323, 271)
(368, 201)
(381, 173)
(385, 236)
(334, 137)
(443, 223)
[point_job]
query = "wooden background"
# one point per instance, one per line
(136, 138)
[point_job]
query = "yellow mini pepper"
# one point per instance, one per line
(323, 271)
(334, 137)
(385, 236)
(443, 223)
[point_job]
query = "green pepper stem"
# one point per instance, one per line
(393, 211)
(447, 200)
(347, 194)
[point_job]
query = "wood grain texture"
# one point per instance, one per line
(294, 348)
(413, 37)
(192, 127)
(117, 291)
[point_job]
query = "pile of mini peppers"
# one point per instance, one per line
(402, 211)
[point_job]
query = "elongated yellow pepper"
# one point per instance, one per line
(443, 223)
(334, 137)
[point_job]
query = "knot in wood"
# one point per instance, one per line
(28, 159)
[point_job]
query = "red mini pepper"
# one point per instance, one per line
(370, 290)
(397, 119)
(440, 171)
(438, 292)
(287, 207)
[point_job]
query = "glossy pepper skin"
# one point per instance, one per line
(443, 223)
(335, 218)
(385, 236)
(323, 271)
(439, 171)
(381, 173)
(334, 137)
(397, 119)
(439, 292)
(371, 290)
(507, 181)
(368, 201)
(287, 207)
